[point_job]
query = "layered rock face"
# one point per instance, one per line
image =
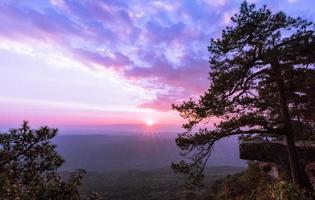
(273, 158)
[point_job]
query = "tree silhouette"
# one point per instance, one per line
(28, 167)
(261, 74)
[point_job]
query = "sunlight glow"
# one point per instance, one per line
(149, 122)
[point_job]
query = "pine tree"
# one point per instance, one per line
(28, 167)
(261, 82)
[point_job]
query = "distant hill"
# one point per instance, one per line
(105, 153)
(158, 184)
(122, 167)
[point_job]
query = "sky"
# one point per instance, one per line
(110, 62)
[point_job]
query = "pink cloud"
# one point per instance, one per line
(138, 35)
(114, 60)
(81, 27)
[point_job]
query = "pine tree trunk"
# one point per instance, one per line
(293, 158)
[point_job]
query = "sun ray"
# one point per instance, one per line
(149, 122)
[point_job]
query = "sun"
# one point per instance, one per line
(149, 122)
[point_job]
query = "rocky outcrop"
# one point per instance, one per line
(274, 160)
(275, 152)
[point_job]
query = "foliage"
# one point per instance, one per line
(153, 184)
(255, 184)
(241, 185)
(262, 81)
(282, 190)
(28, 167)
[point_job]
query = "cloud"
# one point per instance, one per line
(159, 45)
(216, 2)
(190, 75)
(114, 60)
(163, 102)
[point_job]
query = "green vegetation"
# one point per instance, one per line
(28, 167)
(262, 84)
(159, 184)
(255, 184)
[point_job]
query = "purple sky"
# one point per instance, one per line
(95, 62)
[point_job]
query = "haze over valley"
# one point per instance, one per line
(127, 152)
